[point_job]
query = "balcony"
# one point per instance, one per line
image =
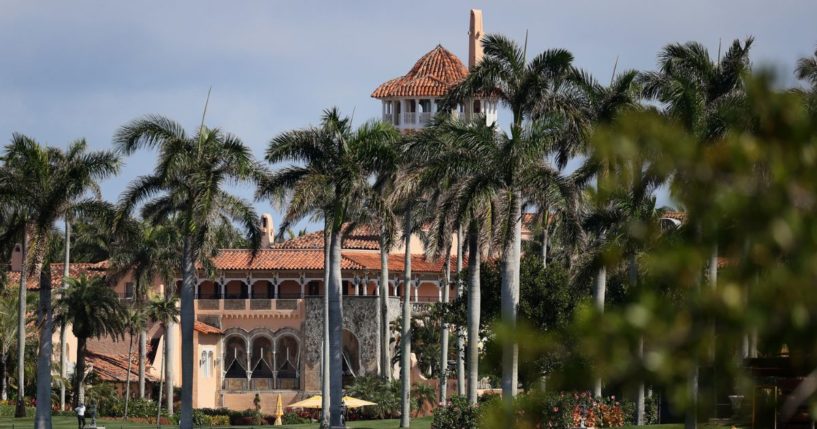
(388, 117)
(425, 118)
(409, 118)
(277, 307)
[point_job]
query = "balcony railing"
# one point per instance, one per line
(425, 118)
(388, 117)
(409, 117)
(268, 305)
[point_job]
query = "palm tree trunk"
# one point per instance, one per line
(545, 236)
(79, 372)
(632, 273)
(385, 337)
(460, 342)
(474, 298)
(691, 416)
(142, 358)
(510, 300)
(4, 376)
(335, 331)
(325, 370)
(20, 410)
(66, 272)
(444, 335)
(170, 344)
(187, 318)
(405, 336)
(161, 387)
(601, 290)
(43, 417)
(127, 381)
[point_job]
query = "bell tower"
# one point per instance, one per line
(475, 33)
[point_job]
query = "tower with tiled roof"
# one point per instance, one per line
(410, 101)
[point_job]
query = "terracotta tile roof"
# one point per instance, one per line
(362, 237)
(115, 367)
(679, 216)
(112, 347)
(275, 259)
(431, 76)
(204, 328)
(90, 269)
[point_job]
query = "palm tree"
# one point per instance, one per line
(93, 310)
(529, 89)
(147, 253)
(163, 310)
(8, 333)
(136, 323)
(41, 185)
(807, 70)
(336, 163)
(187, 186)
(601, 106)
(703, 95)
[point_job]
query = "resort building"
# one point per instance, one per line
(258, 326)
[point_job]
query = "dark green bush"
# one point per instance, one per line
(458, 414)
(291, 418)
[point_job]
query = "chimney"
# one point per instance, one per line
(17, 258)
(267, 230)
(475, 34)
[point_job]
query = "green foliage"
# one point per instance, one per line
(107, 401)
(558, 410)
(219, 420)
(458, 414)
(422, 394)
(292, 418)
(375, 389)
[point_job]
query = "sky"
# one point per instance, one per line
(82, 69)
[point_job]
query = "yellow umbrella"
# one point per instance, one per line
(279, 411)
(351, 402)
(315, 402)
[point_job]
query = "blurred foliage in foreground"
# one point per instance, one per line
(752, 195)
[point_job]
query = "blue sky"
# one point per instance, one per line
(84, 68)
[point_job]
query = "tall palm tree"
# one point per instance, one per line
(135, 325)
(147, 253)
(163, 310)
(93, 310)
(703, 95)
(42, 419)
(528, 89)
(8, 333)
(336, 163)
(40, 185)
(602, 105)
(187, 186)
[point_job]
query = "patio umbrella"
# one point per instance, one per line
(279, 411)
(315, 402)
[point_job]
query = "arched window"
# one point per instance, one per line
(287, 362)
(235, 357)
(477, 107)
(351, 357)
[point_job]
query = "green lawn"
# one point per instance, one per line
(71, 423)
(422, 423)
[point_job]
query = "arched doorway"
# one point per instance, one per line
(351, 357)
(287, 362)
(261, 361)
(235, 362)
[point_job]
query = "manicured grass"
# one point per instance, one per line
(421, 423)
(71, 423)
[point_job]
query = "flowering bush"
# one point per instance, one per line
(566, 410)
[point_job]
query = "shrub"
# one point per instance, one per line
(291, 418)
(458, 414)
(375, 389)
(201, 419)
(220, 420)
